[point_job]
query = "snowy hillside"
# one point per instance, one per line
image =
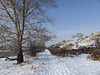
(47, 64)
(76, 43)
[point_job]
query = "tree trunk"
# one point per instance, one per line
(20, 56)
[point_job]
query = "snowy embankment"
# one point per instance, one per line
(78, 42)
(47, 64)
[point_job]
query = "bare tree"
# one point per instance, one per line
(41, 36)
(4, 31)
(22, 16)
(77, 35)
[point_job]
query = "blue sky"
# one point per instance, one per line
(73, 16)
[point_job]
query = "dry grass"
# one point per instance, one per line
(32, 67)
(95, 55)
(94, 52)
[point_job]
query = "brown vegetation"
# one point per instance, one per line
(64, 52)
(95, 55)
(94, 52)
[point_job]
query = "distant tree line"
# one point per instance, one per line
(77, 35)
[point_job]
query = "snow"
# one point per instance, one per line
(47, 64)
(77, 43)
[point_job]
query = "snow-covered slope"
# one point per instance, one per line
(47, 64)
(76, 43)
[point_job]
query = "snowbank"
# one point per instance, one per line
(47, 64)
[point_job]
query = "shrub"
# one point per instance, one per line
(35, 47)
(95, 55)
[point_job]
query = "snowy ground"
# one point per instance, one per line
(47, 64)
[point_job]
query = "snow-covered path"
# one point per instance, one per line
(47, 64)
(68, 66)
(53, 65)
